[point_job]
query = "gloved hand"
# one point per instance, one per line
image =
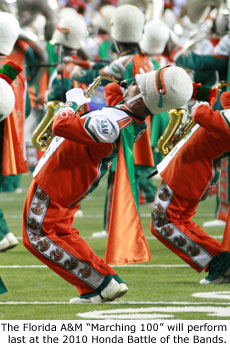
(116, 68)
(76, 95)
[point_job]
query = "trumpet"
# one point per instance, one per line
(176, 130)
(43, 135)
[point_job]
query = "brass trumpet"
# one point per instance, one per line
(43, 135)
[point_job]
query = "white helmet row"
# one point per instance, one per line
(71, 31)
(127, 24)
(9, 32)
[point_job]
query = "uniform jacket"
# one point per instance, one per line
(192, 167)
(80, 154)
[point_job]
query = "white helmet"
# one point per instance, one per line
(127, 24)
(9, 32)
(103, 18)
(71, 31)
(167, 87)
(155, 38)
(7, 99)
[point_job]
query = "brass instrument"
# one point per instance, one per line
(42, 135)
(221, 84)
(176, 129)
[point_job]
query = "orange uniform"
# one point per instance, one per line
(188, 173)
(71, 168)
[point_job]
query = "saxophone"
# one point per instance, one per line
(166, 141)
(43, 135)
(176, 130)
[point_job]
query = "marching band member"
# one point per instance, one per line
(8, 73)
(188, 173)
(12, 161)
(211, 66)
(72, 167)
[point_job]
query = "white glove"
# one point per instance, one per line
(116, 68)
(76, 95)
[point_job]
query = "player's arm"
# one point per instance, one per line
(88, 129)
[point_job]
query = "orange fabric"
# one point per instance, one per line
(179, 214)
(140, 61)
(64, 236)
(226, 236)
(113, 94)
(32, 96)
(13, 161)
(222, 191)
(225, 99)
(126, 242)
(142, 150)
(39, 154)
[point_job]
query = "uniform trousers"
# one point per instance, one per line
(48, 233)
(171, 223)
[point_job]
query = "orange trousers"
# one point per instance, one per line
(226, 236)
(48, 233)
(172, 224)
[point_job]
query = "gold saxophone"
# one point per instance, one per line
(43, 135)
(176, 131)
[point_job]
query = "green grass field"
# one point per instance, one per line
(164, 288)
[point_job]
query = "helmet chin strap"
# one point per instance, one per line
(134, 98)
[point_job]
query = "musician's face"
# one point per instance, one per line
(131, 91)
(138, 106)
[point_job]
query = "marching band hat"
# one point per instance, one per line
(70, 31)
(155, 38)
(104, 16)
(166, 88)
(9, 32)
(127, 24)
(7, 99)
(138, 3)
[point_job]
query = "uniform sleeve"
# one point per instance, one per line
(214, 121)
(202, 62)
(86, 129)
(113, 94)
